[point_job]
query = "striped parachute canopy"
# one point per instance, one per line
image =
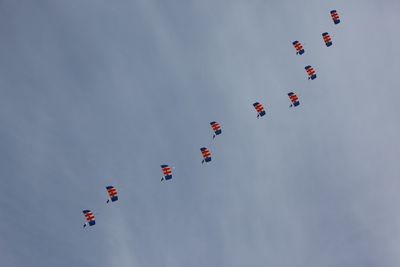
(260, 109)
(295, 100)
(89, 216)
(311, 72)
(206, 154)
(216, 128)
(299, 47)
(167, 172)
(112, 193)
(335, 17)
(327, 39)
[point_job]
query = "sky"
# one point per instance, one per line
(97, 93)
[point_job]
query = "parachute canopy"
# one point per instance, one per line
(311, 72)
(167, 172)
(112, 193)
(295, 100)
(327, 39)
(206, 154)
(89, 216)
(260, 109)
(299, 48)
(216, 128)
(335, 16)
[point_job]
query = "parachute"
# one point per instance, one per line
(112, 193)
(295, 100)
(216, 128)
(167, 171)
(327, 39)
(299, 48)
(335, 16)
(311, 72)
(206, 154)
(90, 219)
(260, 109)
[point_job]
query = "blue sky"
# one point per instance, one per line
(97, 93)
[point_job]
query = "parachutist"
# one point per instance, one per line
(299, 47)
(112, 193)
(335, 17)
(294, 99)
(167, 171)
(206, 155)
(216, 128)
(260, 109)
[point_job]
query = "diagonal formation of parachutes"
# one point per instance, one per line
(167, 171)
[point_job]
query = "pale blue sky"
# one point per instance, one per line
(95, 93)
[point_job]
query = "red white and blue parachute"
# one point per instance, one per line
(167, 172)
(206, 154)
(335, 16)
(295, 100)
(216, 128)
(112, 193)
(311, 72)
(90, 219)
(327, 39)
(299, 47)
(260, 109)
